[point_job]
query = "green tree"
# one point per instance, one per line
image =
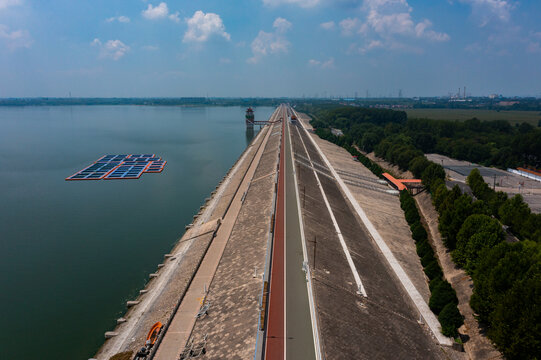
(369, 141)
(514, 212)
(516, 320)
(418, 164)
(453, 216)
(442, 295)
(497, 270)
(478, 232)
(450, 319)
(431, 173)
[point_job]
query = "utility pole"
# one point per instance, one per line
(315, 247)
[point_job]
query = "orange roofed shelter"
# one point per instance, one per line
(400, 184)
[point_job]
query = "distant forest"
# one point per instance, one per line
(473, 103)
(185, 101)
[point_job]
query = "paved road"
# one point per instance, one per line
(275, 338)
(289, 332)
(299, 337)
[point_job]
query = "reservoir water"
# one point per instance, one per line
(72, 253)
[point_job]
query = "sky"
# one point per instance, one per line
(269, 48)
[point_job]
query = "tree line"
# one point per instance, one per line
(399, 139)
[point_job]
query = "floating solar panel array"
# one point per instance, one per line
(122, 166)
(156, 166)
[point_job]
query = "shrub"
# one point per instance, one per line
(442, 295)
(412, 215)
(450, 319)
(427, 259)
(434, 282)
(423, 247)
(408, 202)
(418, 231)
(433, 270)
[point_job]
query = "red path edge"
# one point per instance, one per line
(275, 324)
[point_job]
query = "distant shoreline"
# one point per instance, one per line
(191, 101)
(473, 104)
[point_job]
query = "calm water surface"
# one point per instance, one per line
(72, 253)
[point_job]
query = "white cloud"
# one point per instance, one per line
(122, 19)
(329, 64)
(373, 44)
(160, 12)
(150, 47)
(271, 43)
(488, 10)
(301, 3)
(422, 31)
(112, 49)
(386, 22)
(16, 38)
(225, 61)
(156, 12)
(327, 25)
(350, 26)
(281, 25)
(202, 26)
(175, 17)
(4, 4)
(267, 43)
(397, 23)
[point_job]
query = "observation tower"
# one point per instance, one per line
(250, 118)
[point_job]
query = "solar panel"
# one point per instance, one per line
(142, 155)
(120, 166)
(108, 158)
(156, 166)
(95, 171)
(127, 172)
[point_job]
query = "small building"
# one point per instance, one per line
(413, 185)
(337, 132)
